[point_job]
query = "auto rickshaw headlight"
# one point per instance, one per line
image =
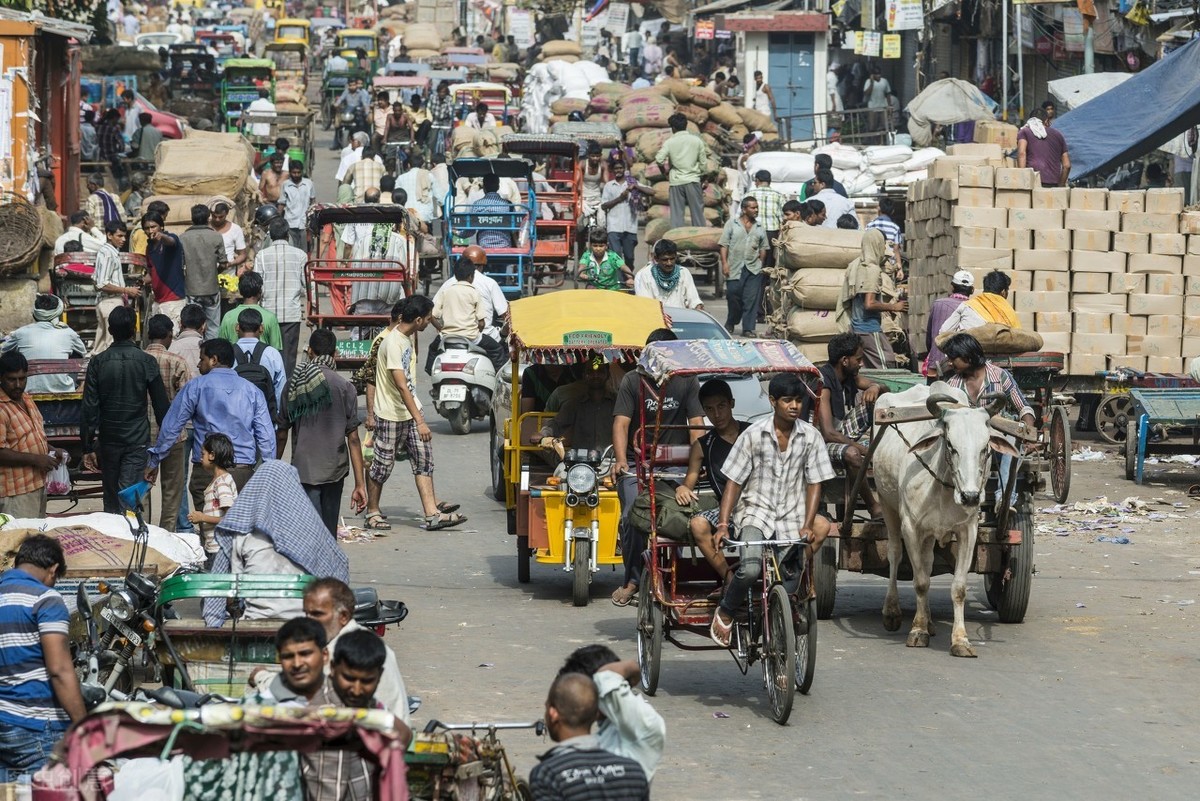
(581, 479)
(122, 605)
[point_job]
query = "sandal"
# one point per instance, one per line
(720, 630)
(377, 522)
(623, 596)
(447, 508)
(443, 520)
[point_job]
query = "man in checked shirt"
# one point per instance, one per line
(773, 478)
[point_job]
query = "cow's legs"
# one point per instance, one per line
(921, 557)
(895, 549)
(959, 644)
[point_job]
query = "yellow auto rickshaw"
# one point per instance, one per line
(354, 39)
(293, 30)
(562, 506)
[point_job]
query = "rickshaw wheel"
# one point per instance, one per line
(1060, 454)
(1008, 591)
(582, 569)
(649, 636)
(779, 654)
(806, 646)
(497, 462)
(1131, 449)
(522, 792)
(1112, 417)
(825, 578)
(523, 558)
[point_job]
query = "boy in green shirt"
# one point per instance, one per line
(250, 287)
(601, 267)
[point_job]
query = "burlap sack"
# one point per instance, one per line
(651, 142)
(693, 112)
(605, 118)
(816, 289)
(422, 36)
(714, 195)
(806, 246)
(89, 553)
(812, 326)
(655, 230)
(724, 114)
(692, 238)
(653, 173)
(999, 339)
(657, 91)
(611, 88)
(423, 53)
(203, 163)
(756, 121)
(658, 212)
(634, 134)
(680, 90)
(644, 114)
(705, 98)
(462, 142)
(561, 47)
(567, 105)
(601, 104)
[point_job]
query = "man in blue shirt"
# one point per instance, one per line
(39, 691)
(218, 401)
(492, 211)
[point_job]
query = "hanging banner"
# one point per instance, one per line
(520, 27)
(858, 43)
(891, 45)
(905, 15)
(706, 29)
(872, 43)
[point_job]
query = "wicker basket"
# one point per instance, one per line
(22, 227)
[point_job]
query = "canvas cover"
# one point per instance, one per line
(203, 163)
(1073, 92)
(946, 102)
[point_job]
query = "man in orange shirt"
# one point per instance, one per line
(25, 455)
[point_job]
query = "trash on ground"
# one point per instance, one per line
(721, 715)
(1100, 515)
(1086, 454)
(1114, 540)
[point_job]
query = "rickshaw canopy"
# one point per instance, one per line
(540, 144)
(397, 68)
(569, 326)
(356, 37)
(478, 88)
(400, 81)
(288, 46)
(661, 361)
(517, 169)
(250, 64)
(292, 30)
(454, 76)
(355, 213)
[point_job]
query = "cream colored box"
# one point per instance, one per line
(1151, 345)
(1191, 328)
(1191, 307)
(1086, 220)
(1017, 178)
(1053, 322)
(1092, 261)
(1126, 284)
(1056, 260)
(1021, 281)
(1027, 320)
(1056, 343)
(1098, 304)
(970, 216)
(1128, 325)
(1149, 223)
(1159, 284)
(1098, 343)
(1086, 363)
(1089, 240)
(976, 196)
(1048, 240)
(1093, 323)
(1191, 345)
(1193, 245)
(1131, 243)
(974, 153)
(991, 258)
(1041, 219)
(1154, 263)
(1168, 244)
(1013, 199)
(1164, 201)
(1191, 265)
(1133, 362)
(1165, 364)
(1089, 282)
(1055, 197)
(1155, 304)
(1164, 325)
(1051, 281)
(1041, 301)
(976, 175)
(1189, 222)
(947, 166)
(976, 237)
(1014, 238)
(1132, 200)
(1089, 199)
(1191, 285)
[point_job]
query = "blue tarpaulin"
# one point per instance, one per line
(1135, 118)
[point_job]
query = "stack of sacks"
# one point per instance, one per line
(471, 143)
(806, 281)
(422, 40)
(554, 80)
(561, 50)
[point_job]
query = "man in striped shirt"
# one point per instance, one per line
(39, 692)
(888, 227)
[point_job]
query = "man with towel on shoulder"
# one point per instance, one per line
(989, 306)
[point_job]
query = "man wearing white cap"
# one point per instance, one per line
(962, 284)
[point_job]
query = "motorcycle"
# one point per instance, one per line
(464, 380)
(349, 123)
(583, 470)
(465, 760)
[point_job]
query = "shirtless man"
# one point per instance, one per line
(270, 184)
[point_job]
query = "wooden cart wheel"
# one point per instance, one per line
(1131, 448)
(1112, 417)
(825, 578)
(649, 636)
(1060, 454)
(581, 579)
(1008, 591)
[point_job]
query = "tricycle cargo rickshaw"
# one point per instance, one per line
(355, 39)
(291, 64)
(244, 77)
(566, 517)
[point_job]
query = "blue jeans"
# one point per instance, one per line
(624, 245)
(25, 751)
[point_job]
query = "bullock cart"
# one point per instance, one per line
(1152, 413)
(679, 591)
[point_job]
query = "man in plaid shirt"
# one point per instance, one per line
(282, 269)
(25, 455)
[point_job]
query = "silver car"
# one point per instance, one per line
(749, 397)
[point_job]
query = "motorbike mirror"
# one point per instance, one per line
(82, 603)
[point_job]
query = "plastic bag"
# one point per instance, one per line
(148, 779)
(58, 480)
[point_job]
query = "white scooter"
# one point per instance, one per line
(464, 381)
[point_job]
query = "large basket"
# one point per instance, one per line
(22, 227)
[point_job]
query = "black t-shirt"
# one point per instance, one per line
(716, 451)
(536, 383)
(681, 401)
(841, 396)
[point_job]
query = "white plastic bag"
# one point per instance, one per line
(149, 779)
(58, 480)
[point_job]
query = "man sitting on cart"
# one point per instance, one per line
(774, 474)
(583, 422)
(491, 215)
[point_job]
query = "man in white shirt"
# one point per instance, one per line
(297, 195)
(351, 154)
(666, 281)
(336, 63)
(262, 107)
(631, 43)
(652, 57)
(835, 204)
(232, 235)
(417, 183)
(83, 231)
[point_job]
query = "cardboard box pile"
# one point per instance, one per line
(1108, 278)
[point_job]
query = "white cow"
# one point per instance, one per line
(930, 476)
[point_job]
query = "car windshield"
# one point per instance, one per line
(355, 42)
(698, 329)
(290, 32)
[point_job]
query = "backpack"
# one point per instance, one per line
(250, 368)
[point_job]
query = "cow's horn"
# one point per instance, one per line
(996, 403)
(934, 403)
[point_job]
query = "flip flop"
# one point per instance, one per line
(720, 631)
(447, 508)
(623, 596)
(443, 520)
(377, 522)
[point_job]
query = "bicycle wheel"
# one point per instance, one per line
(649, 636)
(779, 654)
(806, 646)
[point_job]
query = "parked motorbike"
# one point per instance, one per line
(464, 380)
(465, 760)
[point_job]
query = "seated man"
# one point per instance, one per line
(47, 337)
(459, 310)
(709, 453)
(583, 422)
(844, 416)
(774, 474)
(492, 211)
(601, 267)
(989, 306)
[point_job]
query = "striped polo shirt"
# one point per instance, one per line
(28, 610)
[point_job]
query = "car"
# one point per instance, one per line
(152, 42)
(171, 125)
(749, 397)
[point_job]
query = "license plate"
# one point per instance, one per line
(454, 393)
(120, 626)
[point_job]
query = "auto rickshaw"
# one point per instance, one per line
(293, 30)
(226, 44)
(354, 39)
(564, 516)
(243, 78)
(402, 87)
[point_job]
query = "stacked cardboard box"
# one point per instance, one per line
(1109, 278)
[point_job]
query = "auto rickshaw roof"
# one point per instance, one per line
(328, 22)
(346, 33)
(569, 326)
(477, 168)
(663, 360)
(355, 213)
(284, 23)
(249, 64)
(385, 81)
(285, 44)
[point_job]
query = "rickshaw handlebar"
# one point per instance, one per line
(744, 543)
(434, 725)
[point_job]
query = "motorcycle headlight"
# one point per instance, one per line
(122, 605)
(581, 479)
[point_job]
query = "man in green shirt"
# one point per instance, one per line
(684, 157)
(250, 287)
(743, 247)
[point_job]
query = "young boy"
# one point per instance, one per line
(601, 267)
(774, 474)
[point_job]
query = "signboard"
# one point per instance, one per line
(705, 29)
(872, 43)
(618, 19)
(520, 26)
(905, 15)
(858, 43)
(724, 34)
(891, 45)
(587, 339)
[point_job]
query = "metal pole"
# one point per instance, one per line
(1004, 60)
(1020, 64)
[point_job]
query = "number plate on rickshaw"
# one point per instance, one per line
(454, 393)
(120, 626)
